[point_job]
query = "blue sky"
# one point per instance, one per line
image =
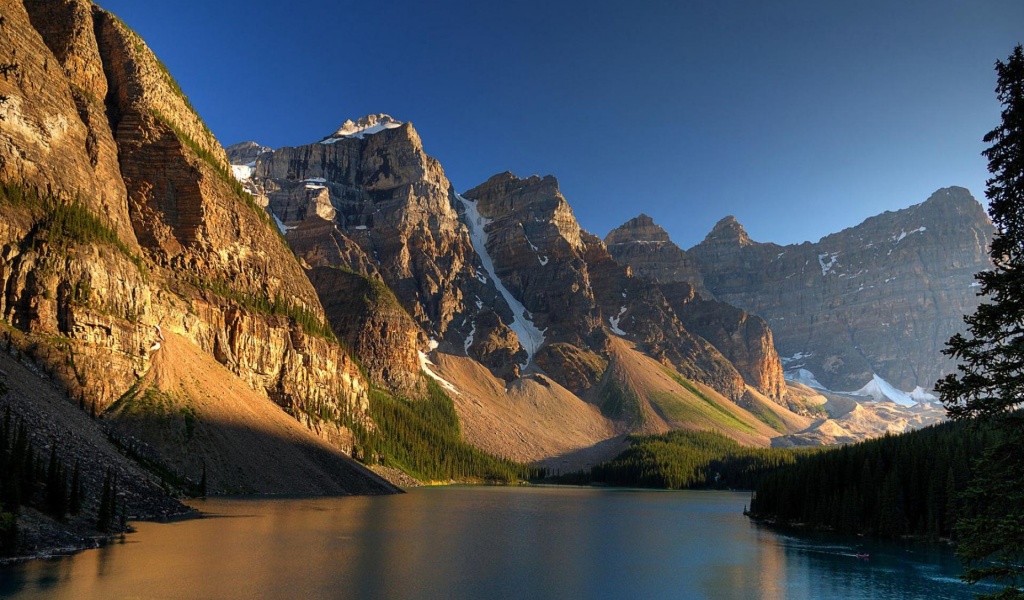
(800, 118)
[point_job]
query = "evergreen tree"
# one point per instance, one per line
(989, 382)
(75, 501)
(106, 511)
(56, 487)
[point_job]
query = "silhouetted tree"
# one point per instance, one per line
(105, 514)
(989, 382)
(75, 500)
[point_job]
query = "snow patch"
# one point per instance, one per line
(805, 377)
(903, 234)
(798, 356)
(284, 229)
(535, 249)
(530, 337)
(353, 130)
(827, 261)
(923, 396)
(469, 338)
(425, 364)
(242, 172)
(314, 180)
(880, 390)
(315, 186)
(360, 227)
(615, 322)
(543, 260)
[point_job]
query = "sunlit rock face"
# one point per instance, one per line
(880, 298)
(369, 199)
(160, 239)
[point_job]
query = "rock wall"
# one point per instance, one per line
(742, 339)
(879, 298)
(159, 235)
(377, 204)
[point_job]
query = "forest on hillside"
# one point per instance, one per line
(893, 486)
(681, 460)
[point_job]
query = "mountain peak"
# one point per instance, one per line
(729, 230)
(641, 228)
(506, 183)
(245, 153)
(368, 125)
(953, 197)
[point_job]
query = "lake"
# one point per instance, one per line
(486, 543)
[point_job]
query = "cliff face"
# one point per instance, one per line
(646, 249)
(879, 298)
(536, 247)
(575, 292)
(743, 339)
(502, 273)
(368, 198)
(121, 223)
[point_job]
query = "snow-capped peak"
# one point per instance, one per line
(368, 125)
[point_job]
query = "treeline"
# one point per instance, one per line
(686, 460)
(423, 438)
(897, 485)
(279, 305)
(67, 221)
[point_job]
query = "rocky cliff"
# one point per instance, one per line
(643, 246)
(879, 299)
(122, 223)
(368, 198)
(743, 339)
(502, 273)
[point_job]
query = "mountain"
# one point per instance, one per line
(141, 279)
(500, 277)
(646, 248)
(744, 339)
(252, 317)
(867, 309)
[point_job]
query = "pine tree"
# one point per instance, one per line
(105, 513)
(989, 382)
(75, 501)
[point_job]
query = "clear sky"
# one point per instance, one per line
(798, 117)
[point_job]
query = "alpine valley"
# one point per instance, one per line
(180, 317)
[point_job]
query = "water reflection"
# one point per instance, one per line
(485, 543)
